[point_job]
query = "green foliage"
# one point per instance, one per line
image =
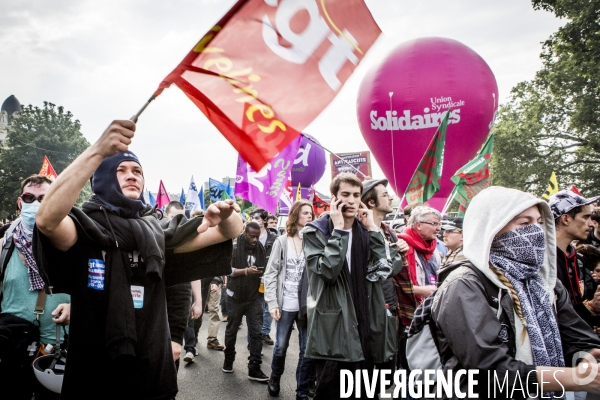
(552, 123)
(33, 133)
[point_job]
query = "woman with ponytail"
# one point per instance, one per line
(516, 325)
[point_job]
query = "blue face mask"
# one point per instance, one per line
(28, 212)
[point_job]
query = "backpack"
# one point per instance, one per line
(422, 347)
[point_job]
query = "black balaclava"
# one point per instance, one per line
(105, 186)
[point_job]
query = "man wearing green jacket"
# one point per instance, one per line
(346, 258)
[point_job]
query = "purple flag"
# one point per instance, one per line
(263, 188)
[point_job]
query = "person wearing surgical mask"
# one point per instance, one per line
(21, 283)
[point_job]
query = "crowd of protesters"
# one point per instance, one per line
(511, 287)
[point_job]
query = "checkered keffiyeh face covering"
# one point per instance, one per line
(22, 238)
(519, 254)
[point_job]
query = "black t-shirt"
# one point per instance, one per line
(90, 374)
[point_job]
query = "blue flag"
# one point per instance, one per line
(217, 188)
(182, 197)
(151, 199)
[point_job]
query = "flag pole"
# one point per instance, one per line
(136, 116)
(331, 152)
(449, 201)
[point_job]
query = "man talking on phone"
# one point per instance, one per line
(346, 259)
(248, 263)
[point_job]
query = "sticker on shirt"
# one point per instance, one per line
(137, 293)
(581, 287)
(134, 259)
(96, 270)
(433, 280)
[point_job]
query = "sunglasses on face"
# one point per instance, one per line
(29, 198)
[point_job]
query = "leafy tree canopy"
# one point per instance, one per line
(552, 123)
(34, 133)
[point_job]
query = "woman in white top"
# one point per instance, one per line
(282, 280)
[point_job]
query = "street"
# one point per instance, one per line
(204, 378)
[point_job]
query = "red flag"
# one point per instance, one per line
(268, 68)
(319, 205)
(47, 169)
(575, 190)
(162, 198)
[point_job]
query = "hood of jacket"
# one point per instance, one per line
(490, 211)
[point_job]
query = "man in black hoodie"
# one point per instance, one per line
(243, 298)
(115, 258)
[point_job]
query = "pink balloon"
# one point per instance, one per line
(405, 97)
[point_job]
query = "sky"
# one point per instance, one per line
(103, 60)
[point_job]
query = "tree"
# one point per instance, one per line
(33, 133)
(552, 122)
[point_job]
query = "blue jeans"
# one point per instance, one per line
(253, 311)
(282, 341)
(267, 319)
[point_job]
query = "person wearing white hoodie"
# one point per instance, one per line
(533, 337)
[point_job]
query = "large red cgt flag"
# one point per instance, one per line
(269, 67)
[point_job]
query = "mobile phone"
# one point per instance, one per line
(344, 208)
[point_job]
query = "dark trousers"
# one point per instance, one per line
(282, 342)
(224, 301)
(190, 336)
(237, 310)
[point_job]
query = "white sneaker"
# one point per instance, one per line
(189, 357)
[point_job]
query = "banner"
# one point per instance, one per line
(425, 181)
(47, 169)
(474, 176)
(182, 197)
(552, 187)
(268, 68)
(265, 187)
(360, 160)
(162, 198)
(192, 200)
(217, 188)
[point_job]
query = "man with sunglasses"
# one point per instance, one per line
(115, 256)
(21, 284)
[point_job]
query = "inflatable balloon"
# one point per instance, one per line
(309, 164)
(403, 99)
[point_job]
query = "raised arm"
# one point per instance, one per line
(51, 219)
(222, 221)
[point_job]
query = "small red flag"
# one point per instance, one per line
(47, 169)
(319, 205)
(268, 68)
(575, 190)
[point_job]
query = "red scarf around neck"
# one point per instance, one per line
(416, 242)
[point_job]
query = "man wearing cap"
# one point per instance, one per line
(572, 221)
(453, 240)
(376, 197)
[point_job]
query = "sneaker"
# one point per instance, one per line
(255, 374)
(213, 344)
(228, 366)
(266, 339)
(189, 357)
(224, 319)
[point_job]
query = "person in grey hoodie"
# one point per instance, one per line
(533, 336)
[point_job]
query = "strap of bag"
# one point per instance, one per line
(39, 305)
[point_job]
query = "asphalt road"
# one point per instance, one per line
(204, 379)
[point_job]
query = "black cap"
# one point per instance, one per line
(452, 223)
(370, 184)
